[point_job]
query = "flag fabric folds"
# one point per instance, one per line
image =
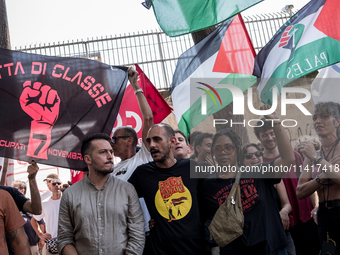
(227, 53)
(325, 86)
(49, 104)
(179, 17)
(308, 41)
(130, 113)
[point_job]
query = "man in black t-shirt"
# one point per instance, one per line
(171, 197)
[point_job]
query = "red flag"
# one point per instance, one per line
(76, 176)
(129, 112)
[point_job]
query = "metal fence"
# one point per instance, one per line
(155, 52)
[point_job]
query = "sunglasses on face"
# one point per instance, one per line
(250, 155)
(56, 183)
(227, 148)
(114, 138)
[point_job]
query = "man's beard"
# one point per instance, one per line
(165, 156)
(103, 172)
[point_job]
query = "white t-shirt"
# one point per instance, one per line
(124, 169)
(50, 212)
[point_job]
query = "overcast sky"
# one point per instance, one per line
(48, 21)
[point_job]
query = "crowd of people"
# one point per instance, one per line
(149, 203)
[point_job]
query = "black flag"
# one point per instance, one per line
(48, 104)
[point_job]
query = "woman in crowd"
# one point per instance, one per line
(252, 155)
(321, 172)
(263, 232)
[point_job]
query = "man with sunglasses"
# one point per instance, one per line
(48, 180)
(124, 139)
(302, 228)
(50, 212)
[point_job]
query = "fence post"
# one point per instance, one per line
(162, 61)
(86, 51)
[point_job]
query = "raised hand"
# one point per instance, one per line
(133, 78)
(32, 170)
(272, 116)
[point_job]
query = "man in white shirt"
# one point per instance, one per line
(124, 140)
(50, 212)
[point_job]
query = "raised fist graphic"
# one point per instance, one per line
(42, 104)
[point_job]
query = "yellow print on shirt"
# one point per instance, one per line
(173, 200)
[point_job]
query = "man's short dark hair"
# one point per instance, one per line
(86, 146)
(182, 134)
(169, 132)
(192, 137)
(199, 140)
(233, 137)
(129, 131)
(263, 126)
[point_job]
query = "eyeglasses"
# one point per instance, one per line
(56, 183)
(227, 148)
(250, 155)
(114, 138)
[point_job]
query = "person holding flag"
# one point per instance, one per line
(124, 139)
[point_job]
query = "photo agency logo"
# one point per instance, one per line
(211, 96)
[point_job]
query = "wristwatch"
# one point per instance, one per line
(318, 180)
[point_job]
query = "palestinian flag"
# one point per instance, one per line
(227, 55)
(179, 17)
(309, 41)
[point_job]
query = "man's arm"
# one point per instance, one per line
(43, 229)
(135, 225)
(35, 225)
(4, 172)
(65, 230)
(34, 205)
(20, 241)
(143, 104)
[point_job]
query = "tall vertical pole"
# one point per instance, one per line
(4, 30)
(4, 43)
